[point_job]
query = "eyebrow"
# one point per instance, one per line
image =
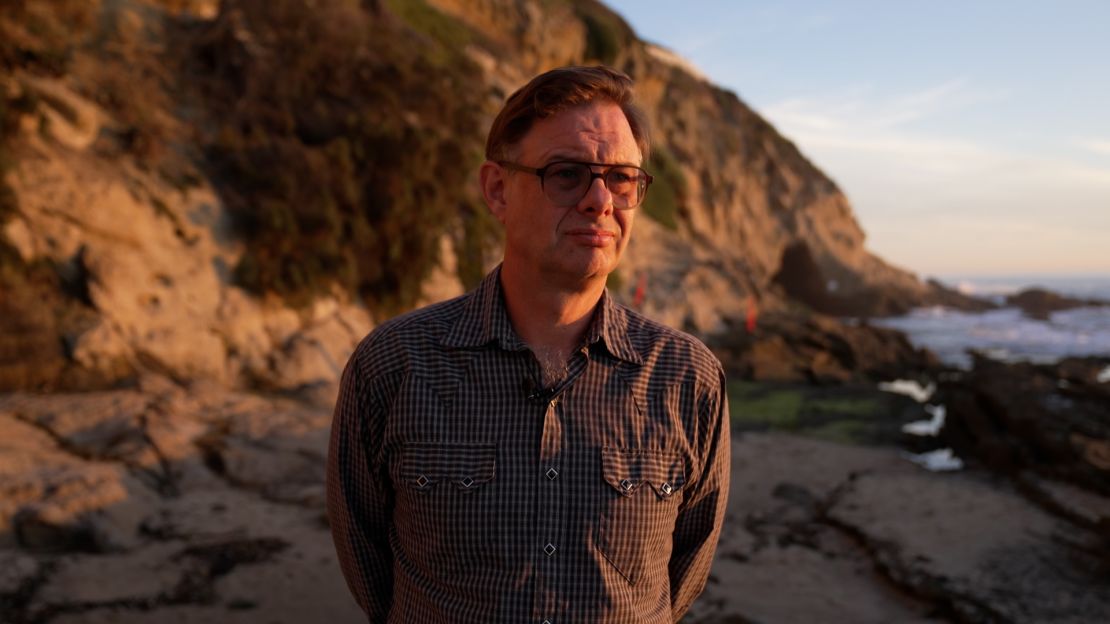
(565, 157)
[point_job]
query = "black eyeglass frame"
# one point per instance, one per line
(647, 177)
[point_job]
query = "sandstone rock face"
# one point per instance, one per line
(155, 261)
(543, 36)
(751, 195)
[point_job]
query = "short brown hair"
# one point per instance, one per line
(557, 90)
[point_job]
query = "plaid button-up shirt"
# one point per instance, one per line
(459, 490)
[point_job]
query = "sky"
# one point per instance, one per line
(972, 138)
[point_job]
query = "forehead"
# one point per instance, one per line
(594, 132)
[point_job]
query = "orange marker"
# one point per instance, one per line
(751, 317)
(641, 287)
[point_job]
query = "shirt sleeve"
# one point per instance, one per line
(359, 496)
(699, 520)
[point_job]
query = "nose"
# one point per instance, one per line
(597, 198)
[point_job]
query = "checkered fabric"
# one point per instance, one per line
(459, 490)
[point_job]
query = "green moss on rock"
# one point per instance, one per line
(607, 34)
(667, 193)
(855, 414)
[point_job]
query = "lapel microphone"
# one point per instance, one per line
(536, 394)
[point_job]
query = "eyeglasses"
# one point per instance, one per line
(565, 182)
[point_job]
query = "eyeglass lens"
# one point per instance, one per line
(567, 183)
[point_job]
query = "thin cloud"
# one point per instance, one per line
(1098, 146)
(854, 120)
(913, 106)
(904, 180)
(860, 109)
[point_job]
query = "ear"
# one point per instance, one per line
(493, 180)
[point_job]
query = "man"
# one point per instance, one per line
(533, 451)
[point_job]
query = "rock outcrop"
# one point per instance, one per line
(1039, 303)
(989, 556)
(152, 264)
(167, 499)
(815, 348)
(1024, 420)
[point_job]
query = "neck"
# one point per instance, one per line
(549, 318)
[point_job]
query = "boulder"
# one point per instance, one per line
(1052, 420)
(797, 346)
(1039, 303)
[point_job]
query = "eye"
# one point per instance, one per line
(566, 176)
(622, 180)
(618, 176)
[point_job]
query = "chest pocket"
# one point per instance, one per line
(640, 503)
(446, 509)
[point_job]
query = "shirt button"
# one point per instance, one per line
(421, 481)
(552, 473)
(546, 622)
(626, 484)
(667, 488)
(549, 549)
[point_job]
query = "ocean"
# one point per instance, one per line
(1090, 286)
(1007, 334)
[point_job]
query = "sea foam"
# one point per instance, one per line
(1006, 334)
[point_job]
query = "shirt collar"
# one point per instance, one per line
(484, 320)
(610, 327)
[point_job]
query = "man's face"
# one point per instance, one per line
(567, 246)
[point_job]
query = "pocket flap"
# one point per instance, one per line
(626, 469)
(467, 466)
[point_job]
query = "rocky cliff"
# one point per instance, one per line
(733, 198)
(235, 191)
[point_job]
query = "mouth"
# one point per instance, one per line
(592, 237)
